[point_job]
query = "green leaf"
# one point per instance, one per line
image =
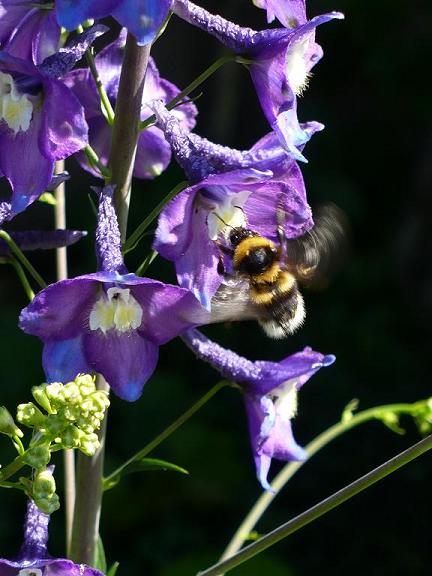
(113, 570)
(100, 558)
(143, 465)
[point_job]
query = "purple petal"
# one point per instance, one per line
(142, 18)
(65, 59)
(125, 360)
(31, 176)
(167, 310)
(290, 13)
(65, 129)
(36, 37)
(9, 63)
(61, 311)
(82, 85)
(153, 154)
(11, 14)
(42, 239)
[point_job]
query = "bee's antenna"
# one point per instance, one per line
(222, 220)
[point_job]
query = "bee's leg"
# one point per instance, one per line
(280, 229)
(225, 249)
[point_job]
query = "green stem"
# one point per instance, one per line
(320, 509)
(95, 162)
(135, 237)
(191, 87)
(146, 263)
(17, 252)
(23, 278)
(12, 468)
(266, 498)
(106, 104)
(168, 431)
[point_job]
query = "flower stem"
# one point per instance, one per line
(21, 275)
(135, 237)
(168, 431)
(62, 274)
(191, 87)
(126, 125)
(17, 252)
(148, 260)
(122, 155)
(320, 509)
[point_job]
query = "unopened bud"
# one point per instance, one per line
(41, 398)
(48, 505)
(89, 444)
(30, 415)
(44, 484)
(7, 424)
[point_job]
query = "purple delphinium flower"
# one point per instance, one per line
(41, 120)
(33, 559)
(270, 393)
(290, 13)
(28, 29)
(279, 60)
(143, 18)
(110, 322)
(153, 152)
(233, 189)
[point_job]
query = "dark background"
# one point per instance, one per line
(373, 159)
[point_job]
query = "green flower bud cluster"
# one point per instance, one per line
(74, 413)
(423, 417)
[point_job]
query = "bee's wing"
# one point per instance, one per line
(317, 254)
(232, 301)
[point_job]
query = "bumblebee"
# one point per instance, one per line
(265, 283)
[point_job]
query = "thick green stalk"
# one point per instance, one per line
(288, 471)
(321, 508)
(122, 156)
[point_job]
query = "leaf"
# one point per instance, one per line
(100, 558)
(7, 424)
(113, 570)
(142, 465)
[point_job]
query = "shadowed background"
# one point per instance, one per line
(373, 160)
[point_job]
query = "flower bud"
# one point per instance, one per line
(89, 444)
(86, 384)
(7, 424)
(30, 415)
(55, 424)
(49, 504)
(44, 484)
(71, 437)
(38, 456)
(41, 398)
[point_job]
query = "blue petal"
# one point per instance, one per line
(142, 18)
(64, 359)
(71, 13)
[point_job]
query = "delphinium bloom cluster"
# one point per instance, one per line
(226, 232)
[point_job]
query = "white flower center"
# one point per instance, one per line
(228, 214)
(285, 400)
(296, 66)
(117, 309)
(30, 572)
(15, 108)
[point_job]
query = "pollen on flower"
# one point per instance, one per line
(15, 108)
(227, 215)
(298, 75)
(117, 310)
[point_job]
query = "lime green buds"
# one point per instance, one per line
(44, 491)
(75, 412)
